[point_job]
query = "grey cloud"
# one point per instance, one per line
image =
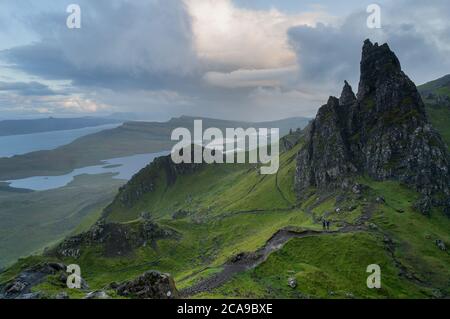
(27, 88)
(136, 49)
(328, 55)
(122, 44)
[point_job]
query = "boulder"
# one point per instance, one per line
(441, 245)
(151, 285)
(292, 282)
(62, 295)
(99, 294)
(20, 286)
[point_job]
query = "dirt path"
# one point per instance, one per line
(246, 261)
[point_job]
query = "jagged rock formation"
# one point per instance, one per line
(382, 132)
(151, 285)
(20, 287)
(116, 239)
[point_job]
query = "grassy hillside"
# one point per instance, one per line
(436, 95)
(129, 139)
(440, 119)
(220, 212)
(32, 220)
(398, 239)
(440, 86)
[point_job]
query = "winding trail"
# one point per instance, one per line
(246, 261)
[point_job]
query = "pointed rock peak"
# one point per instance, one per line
(329, 108)
(378, 64)
(347, 95)
(367, 45)
(332, 100)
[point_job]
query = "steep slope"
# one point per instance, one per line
(227, 231)
(383, 133)
(436, 95)
(437, 91)
(30, 221)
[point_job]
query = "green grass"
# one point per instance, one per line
(415, 234)
(234, 209)
(216, 190)
(331, 266)
(439, 115)
(440, 119)
(334, 266)
(203, 248)
(32, 221)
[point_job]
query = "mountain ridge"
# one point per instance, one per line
(226, 231)
(51, 124)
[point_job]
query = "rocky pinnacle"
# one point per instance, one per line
(382, 132)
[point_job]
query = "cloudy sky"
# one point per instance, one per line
(234, 59)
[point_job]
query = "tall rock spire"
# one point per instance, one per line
(378, 64)
(347, 95)
(384, 133)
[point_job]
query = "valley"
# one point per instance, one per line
(61, 198)
(370, 164)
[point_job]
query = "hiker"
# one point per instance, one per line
(324, 224)
(328, 225)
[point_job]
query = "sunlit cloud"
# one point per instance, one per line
(246, 39)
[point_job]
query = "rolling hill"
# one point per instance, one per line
(129, 139)
(436, 95)
(226, 231)
(19, 127)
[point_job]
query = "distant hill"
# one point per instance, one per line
(125, 116)
(128, 139)
(440, 86)
(18, 127)
(436, 95)
(342, 202)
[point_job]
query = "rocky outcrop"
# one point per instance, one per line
(347, 97)
(151, 285)
(382, 132)
(324, 161)
(161, 170)
(20, 287)
(115, 239)
(98, 294)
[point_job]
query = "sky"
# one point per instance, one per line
(234, 59)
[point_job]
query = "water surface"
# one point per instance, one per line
(123, 168)
(27, 143)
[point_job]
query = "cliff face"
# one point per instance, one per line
(383, 132)
(161, 169)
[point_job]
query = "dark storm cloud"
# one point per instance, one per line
(142, 44)
(416, 31)
(27, 88)
(143, 56)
